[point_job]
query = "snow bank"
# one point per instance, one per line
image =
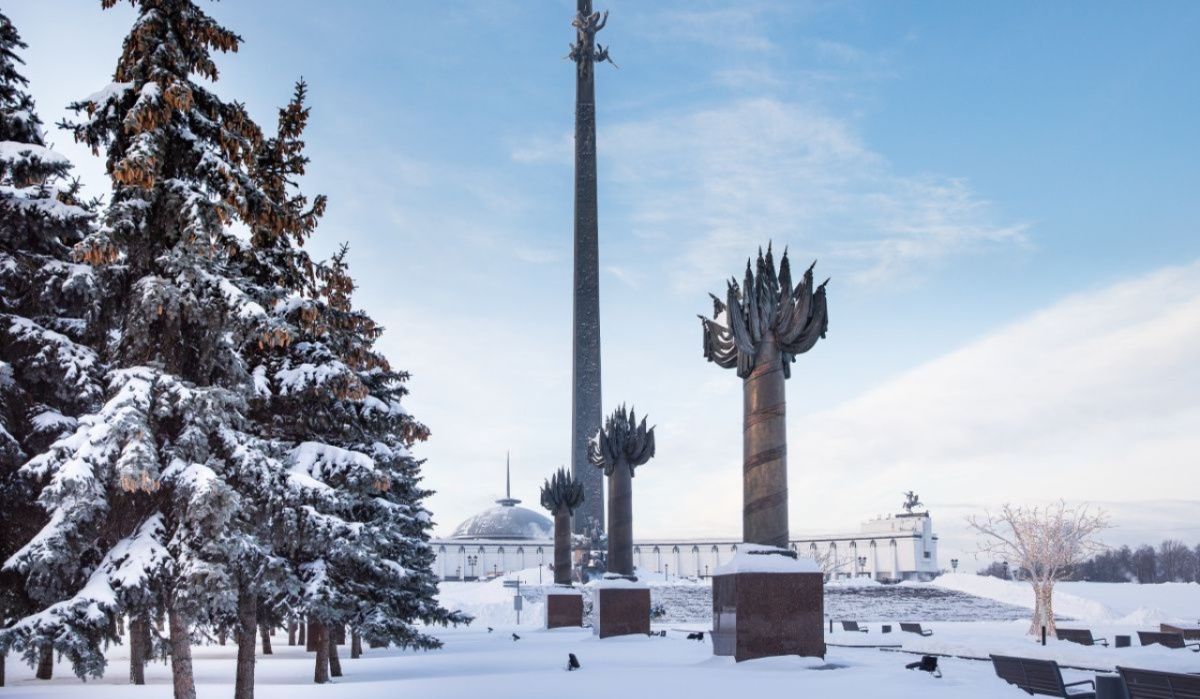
(1126, 603)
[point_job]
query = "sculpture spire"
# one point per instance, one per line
(508, 500)
(585, 387)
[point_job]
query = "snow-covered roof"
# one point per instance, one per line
(506, 522)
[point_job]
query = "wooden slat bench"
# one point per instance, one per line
(852, 626)
(1039, 677)
(1081, 636)
(1170, 640)
(915, 628)
(1153, 684)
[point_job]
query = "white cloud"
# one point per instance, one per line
(722, 180)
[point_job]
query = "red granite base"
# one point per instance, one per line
(622, 611)
(758, 615)
(564, 610)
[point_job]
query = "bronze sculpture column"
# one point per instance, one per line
(585, 386)
(759, 329)
(618, 449)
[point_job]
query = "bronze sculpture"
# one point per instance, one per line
(759, 329)
(561, 495)
(618, 449)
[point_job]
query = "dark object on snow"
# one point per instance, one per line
(1170, 640)
(697, 636)
(1081, 636)
(927, 663)
(915, 628)
(490, 629)
(1038, 677)
(852, 626)
(886, 628)
(516, 637)
(1122, 641)
(572, 662)
(1151, 684)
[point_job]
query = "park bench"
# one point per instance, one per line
(1153, 684)
(1039, 677)
(915, 628)
(852, 626)
(1191, 632)
(1170, 640)
(1081, 636)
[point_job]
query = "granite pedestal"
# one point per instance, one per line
(622, 608)
(764, 608)
(564, 608)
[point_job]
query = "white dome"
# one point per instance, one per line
(506, 522)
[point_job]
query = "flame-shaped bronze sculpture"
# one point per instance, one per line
(618, 449)
(759, 329)
(561, 494)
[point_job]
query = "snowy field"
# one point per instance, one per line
(476, 663)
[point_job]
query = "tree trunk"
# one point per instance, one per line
(355, 645)
(221, 637)
(586, 417)
(1043, 607)
(3, 658)
(562, 548)
(291, 632)
(121, 625)
(247, 611)
(265, 629)
(764, 450)
(138, 630)
(303, 639)
(181, 656)
(335, 663)
(620, 521)
(318, 635)
(312, 637)
(45, 667)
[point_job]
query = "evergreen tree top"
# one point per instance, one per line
(18, 120)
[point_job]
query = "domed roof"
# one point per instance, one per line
(506, 520)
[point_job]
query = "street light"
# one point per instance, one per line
(706, 570)
(862, 563)
(954, 564)
(471, 560)
(667, 571)
(539, 574)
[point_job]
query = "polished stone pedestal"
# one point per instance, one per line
(767, 607)
(622, 608)
(564, 608)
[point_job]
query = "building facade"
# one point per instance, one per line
(498, 541)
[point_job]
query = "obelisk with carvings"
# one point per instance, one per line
(585, 388)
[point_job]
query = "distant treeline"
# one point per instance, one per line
(1172, 561)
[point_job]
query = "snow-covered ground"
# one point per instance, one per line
(475, 662)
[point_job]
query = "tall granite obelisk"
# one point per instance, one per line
(585, 389)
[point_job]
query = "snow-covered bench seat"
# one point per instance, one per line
(1170, 640)
(1152, 684)
(1081, 636)
(1039, 677)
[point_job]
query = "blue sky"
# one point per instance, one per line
(1005, 195)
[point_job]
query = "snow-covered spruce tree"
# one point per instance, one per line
(49, 371)
(150, 492)
(282, 275)
(358, 534)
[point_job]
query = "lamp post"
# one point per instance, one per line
(495, 570)
(458, 572)
(539, 574)
(954, 564)
(862, 563)
(666, 571)
(706, 570)
(471, 560)
(1004, 564)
